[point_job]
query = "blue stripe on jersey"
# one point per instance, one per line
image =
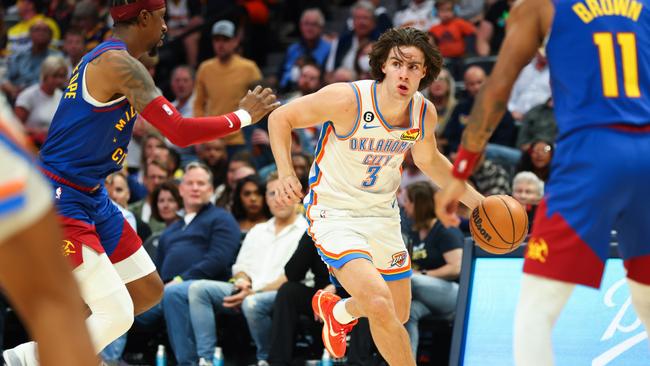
(424, 116)
(356, 123)
(84, 146)
(381, 117)
(591, 84)
(12, 204)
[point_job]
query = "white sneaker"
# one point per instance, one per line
(262, 363)
(204, 362)
(21, 355)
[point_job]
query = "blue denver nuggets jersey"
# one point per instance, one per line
(604, 47)
(88, 139)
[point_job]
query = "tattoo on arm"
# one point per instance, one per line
(135, 82)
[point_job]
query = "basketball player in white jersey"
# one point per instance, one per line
(33, 273)
(351, 204)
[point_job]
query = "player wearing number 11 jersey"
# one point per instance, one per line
(368, 127)
(599, 60)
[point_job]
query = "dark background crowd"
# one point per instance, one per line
(203, 212)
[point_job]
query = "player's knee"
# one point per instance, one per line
(149, 295)
(379, 308)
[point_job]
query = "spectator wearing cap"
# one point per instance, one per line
(223, 80)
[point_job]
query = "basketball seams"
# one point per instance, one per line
(471, 229)
(512, 221)
(487, 217)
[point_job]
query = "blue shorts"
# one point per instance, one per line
(93, 220)
(600, 181)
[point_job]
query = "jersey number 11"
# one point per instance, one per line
(627, 42)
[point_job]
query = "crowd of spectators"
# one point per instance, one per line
(204, 212)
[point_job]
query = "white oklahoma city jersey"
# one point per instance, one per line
(359, 173)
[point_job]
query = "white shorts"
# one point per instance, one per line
(25, 196)
(341, 238)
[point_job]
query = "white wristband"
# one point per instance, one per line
(244, 118)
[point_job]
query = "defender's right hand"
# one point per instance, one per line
(259, 102)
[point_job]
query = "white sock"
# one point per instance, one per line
(341, 313)
(540, 302)
(25, 354)
(641, 300)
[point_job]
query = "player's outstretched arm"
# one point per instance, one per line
(527, 25)
(335, 102)
(136, 84)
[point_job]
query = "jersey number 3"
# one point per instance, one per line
(605, 43)
(371, 179)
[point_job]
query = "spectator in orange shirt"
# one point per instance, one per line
(450, 33)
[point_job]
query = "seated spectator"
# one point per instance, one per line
(86, 18)
(258, 273)
(155, 173)
(419, 14)
(528, 190)
(442, 93)
(500, 148)
(490, 178)
(311, 44)
(533, 87)
(436, 258)
(74, 47)
(35, 106)
(249, 205)
(450, 33)
(305, 273)
(345, 48)
(537, 159)
(362, 62)
(214, 155)
(118, 191)
(168, 202)
(492, 29)
(19, 35)
(61, 12)
(538, 124)
(203, 245)
(240, 166)
(24, 67)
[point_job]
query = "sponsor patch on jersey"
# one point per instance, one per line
(410, 135)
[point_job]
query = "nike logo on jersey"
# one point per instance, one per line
(167, 110)
(367, 127)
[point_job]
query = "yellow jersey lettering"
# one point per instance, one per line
(581, 11)
(620, 7)
(120, 124)
(118, 156)
(594, 8)
(634, 10)
(607, 7)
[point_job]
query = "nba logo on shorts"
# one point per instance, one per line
(57, 193)
(398, 259)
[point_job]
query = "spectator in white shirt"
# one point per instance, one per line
(419, 14)
(258, 273)
(36, 105)
(532, 87)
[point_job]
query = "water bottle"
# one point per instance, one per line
(326, 360)
(217, 357)
(161, 358)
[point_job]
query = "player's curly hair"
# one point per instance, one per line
(404, 37)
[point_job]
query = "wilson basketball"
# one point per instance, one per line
(499, 224)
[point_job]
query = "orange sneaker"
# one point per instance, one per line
(334, 333)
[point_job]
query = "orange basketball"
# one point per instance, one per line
(499, 224)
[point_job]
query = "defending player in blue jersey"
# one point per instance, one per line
(599, 57)
(88, 140)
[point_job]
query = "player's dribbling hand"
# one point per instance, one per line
(259, 102)
(447, 202)
(290, 190)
